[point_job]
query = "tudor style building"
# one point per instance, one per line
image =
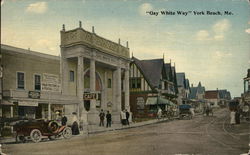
(152, 85)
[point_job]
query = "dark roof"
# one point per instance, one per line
(224, 94)
(180, 79)
(211, 94)
(187, 84)
(194, 90)
(174, 79)
(169, 72)
(151, 69)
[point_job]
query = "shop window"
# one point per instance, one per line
(20, 80)
(71, 76)
(37, 82)
(109, 83)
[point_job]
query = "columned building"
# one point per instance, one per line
(96, 70)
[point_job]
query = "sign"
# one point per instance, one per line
(50, 82)
(89, 96)
(27, 103)
(140, 102)
(34, 94)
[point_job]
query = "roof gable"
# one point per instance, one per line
(151, 69)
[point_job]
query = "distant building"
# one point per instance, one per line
(183, 88)
(151, 86)
(197, 96)
(246, 94)
(225, 97)
(212, 96)
(218, 97)
(197, 93)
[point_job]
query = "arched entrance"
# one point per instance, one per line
(98, 89)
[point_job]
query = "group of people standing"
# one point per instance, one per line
(125, 117)
(108, 118)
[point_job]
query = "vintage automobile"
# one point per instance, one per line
(184, 111)
(36, 130)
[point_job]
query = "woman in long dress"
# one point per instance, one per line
(232, 116)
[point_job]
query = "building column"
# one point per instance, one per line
(126, 88)
(92, 84)
(80, 83)
(104, 92)
(119, 91)
(114, 90)
(64, 75)
(11, 112)
(49, 111)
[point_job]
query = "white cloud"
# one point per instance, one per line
(247, 30)
(220, 54)
(144, 8)
(2, 1)
(218, 37)
(202, 35)
(39, 7)
(221, 26)
(216, 32)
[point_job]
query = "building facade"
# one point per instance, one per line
(246, 94)
(91, 74)
(151, 86)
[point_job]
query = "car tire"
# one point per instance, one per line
(36, 135)
(67, 132)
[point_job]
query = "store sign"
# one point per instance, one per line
(89, 96)
(50, 82)
(34, 94)
(27, 103)
(140, 102)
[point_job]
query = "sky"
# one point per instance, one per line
(213, 49)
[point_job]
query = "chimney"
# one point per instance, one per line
(63, 27)
(80, 24)
(93, 29)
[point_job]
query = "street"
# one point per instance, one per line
(201, 135)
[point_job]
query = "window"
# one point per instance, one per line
(37, 82)
(109, 83)
(71, 76)
(135, 82)
(20, 80)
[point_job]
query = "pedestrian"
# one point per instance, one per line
(74, 127)
(64, 120)
(232, 117)
(58, 117)
(102, 116)
(192, 111)
(159, 113)
(108, 119)
(127, 117)
(237, 115)
(123, 117)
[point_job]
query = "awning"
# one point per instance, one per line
(163, 101)
(6, 102)
(158, 100)
(151, 101)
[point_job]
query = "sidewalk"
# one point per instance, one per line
(93, 129)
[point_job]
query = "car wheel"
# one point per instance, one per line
(67, 132)
(36, 135)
